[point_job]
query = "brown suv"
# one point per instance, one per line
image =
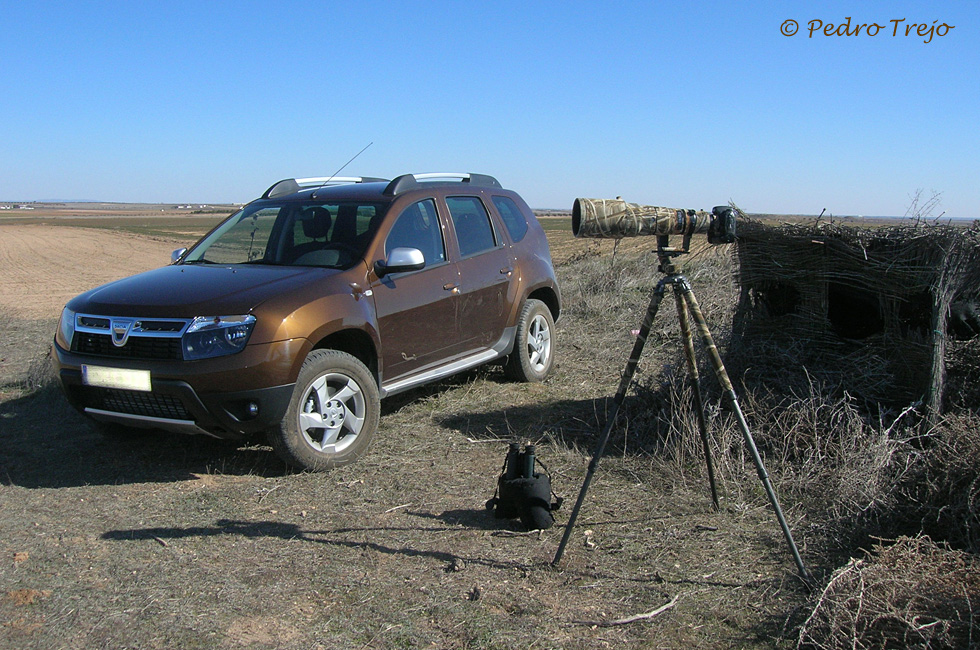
(298, 313)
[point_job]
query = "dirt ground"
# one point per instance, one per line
(44, 266)
(164, 541)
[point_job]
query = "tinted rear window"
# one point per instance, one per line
(512, 216)
(474, 233)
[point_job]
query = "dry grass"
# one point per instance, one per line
(940, 494)
(24, 345)
(171, 541)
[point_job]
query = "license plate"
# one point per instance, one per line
(116, 378)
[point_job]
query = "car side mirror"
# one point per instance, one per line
(177, 254)
(400, 260)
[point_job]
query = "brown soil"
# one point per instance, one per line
(44, 266)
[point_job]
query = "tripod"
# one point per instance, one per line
(687, 306)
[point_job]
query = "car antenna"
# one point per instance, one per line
(334, 175)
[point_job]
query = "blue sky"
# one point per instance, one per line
(669, 103)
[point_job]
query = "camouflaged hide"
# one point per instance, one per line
(862, 308)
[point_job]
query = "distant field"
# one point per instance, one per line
(167, 221)
(50, 255)
(146, 220)
(46, 265)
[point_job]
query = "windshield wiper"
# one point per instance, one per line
(200, 260)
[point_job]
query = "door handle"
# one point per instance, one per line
(507, 270)
(452, 287)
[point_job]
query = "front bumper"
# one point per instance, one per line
(226, 397)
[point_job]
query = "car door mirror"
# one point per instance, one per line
(177, 254)
(400, 260)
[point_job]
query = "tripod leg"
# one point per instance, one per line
(624, 384)
(729, 392)
(692, 371)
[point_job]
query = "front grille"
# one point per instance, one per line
(173, 326)
(135, 402)
(137, 347)
(146, 338)
(94, 322)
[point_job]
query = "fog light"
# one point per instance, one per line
(252, 408)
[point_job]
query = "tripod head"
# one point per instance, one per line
(666, 254)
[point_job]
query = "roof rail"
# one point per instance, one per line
(411, 181)
(293, 185)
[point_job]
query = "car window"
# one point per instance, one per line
(291, 233)
(513, 217)
(242, 238)
(312, 225)
(472, 224)
(418, 227)
(346, 223)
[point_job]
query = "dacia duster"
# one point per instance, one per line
(297, 314)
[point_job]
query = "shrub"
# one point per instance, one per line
(911, 594)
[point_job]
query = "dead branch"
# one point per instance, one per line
(632, 619)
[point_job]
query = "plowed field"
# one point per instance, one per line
(42, 267)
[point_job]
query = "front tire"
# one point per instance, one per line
(332, 415)
(533, 355)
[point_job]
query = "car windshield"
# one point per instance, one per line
(292, 234)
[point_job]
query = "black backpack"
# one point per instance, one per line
(523, 493)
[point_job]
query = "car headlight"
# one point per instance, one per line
(216, 336)
(66, 328)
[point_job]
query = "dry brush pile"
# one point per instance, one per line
(909, 594)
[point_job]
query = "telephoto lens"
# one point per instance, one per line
(615, 219)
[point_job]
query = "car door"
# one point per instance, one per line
(486, 270)
(416, 310)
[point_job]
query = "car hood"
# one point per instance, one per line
(186, 291)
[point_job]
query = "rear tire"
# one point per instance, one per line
(533, 355)
(332, 415)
